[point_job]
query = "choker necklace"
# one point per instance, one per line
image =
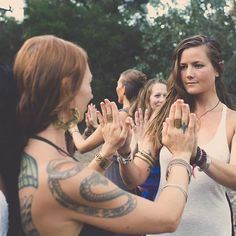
(209, 110)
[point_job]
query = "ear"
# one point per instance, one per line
(221, 65)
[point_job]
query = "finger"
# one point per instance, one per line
(108, 107)
(185, 116)
(178, 114)
(146, 116)
(104, 112)
(140, 112)
(136, 118)
(178, 110)
(115, 113)
(172, 115)
(100, 118)
(192, 124)
(124, 131)
(131, 121)
(164, 129)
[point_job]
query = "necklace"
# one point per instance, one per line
(207, 111)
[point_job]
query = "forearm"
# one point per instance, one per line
(86, 145)
(134, 174)
(223, 173)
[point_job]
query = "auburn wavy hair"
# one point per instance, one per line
(49, 72)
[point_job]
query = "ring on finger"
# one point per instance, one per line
(184, 127)
(177, 123)
(109, 118)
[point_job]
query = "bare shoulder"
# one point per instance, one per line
(231, 117)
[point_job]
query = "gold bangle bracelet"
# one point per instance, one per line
(148, 156)
(102, 161)
(144, 159)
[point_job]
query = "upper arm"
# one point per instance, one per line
(232, 139)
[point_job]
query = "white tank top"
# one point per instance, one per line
(207, 211)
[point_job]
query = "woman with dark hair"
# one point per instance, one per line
(196, 77)
(57, 196)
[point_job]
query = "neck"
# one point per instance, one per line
(204, 106)
(126, 103)
(55, 135)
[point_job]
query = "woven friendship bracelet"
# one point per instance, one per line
(102, 161)
(179, 162)
(177, 187)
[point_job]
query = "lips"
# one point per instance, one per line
(191, 83)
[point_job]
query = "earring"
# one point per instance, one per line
(73, 121)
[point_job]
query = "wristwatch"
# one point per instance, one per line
(124, 159)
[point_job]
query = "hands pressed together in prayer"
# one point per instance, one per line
(179, 132)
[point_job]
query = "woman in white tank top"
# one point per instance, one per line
(196, 77)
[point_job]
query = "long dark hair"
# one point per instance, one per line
(10, 146)
(175, 86)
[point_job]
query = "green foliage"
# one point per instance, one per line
(98, 26)
(117, 34)
(10, 39)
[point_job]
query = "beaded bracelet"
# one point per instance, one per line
(202, 160)
(178, 187)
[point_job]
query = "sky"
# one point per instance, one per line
(18, 7)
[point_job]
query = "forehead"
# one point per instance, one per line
(158, 87)
(194, 54)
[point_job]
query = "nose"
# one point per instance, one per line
(189, 72)
(162, 98)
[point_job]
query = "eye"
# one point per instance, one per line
(157, 95)
(198, 66)
(182, 67)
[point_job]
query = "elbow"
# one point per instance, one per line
(172, 223)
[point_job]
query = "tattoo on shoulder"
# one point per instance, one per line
(86, 189)
(26, 216)
(28, 172)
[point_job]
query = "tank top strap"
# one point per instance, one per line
(222, 125)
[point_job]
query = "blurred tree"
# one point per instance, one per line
(173, 23)
(10, 38)
(103, 28)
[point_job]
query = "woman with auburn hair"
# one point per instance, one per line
(57, 196)
(196, 77)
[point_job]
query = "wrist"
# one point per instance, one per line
(107, 151)
(102, 161)
(124, 158)
(184, 155)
